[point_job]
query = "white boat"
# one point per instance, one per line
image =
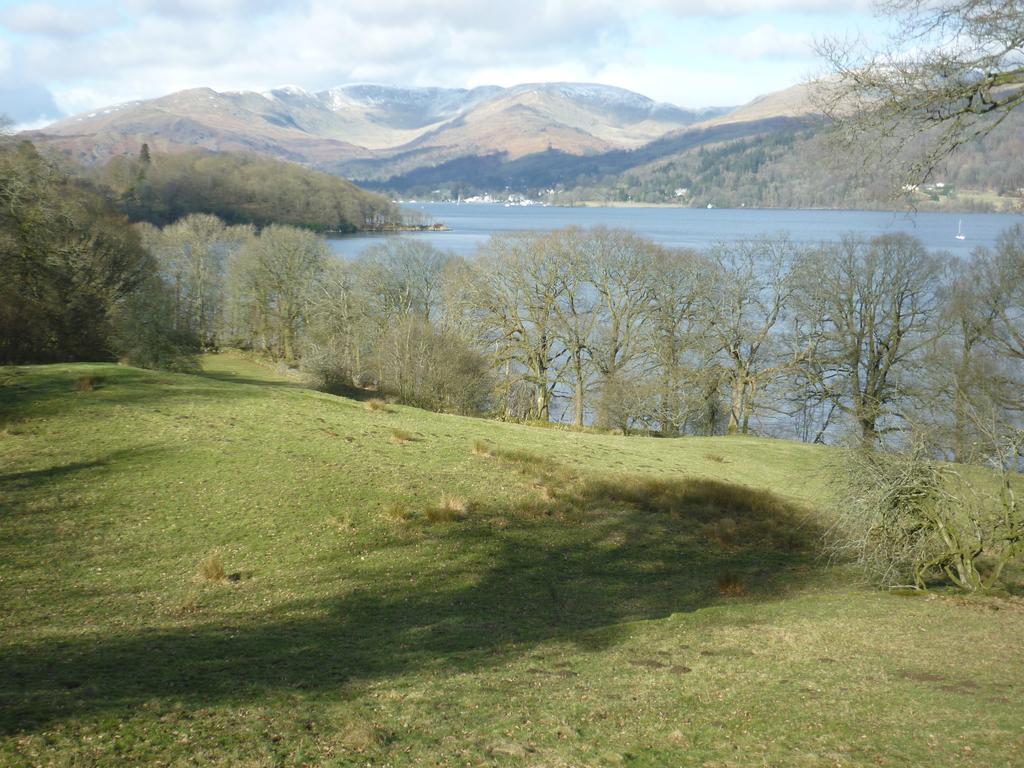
(960, 230)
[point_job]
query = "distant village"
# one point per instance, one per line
(509, 200)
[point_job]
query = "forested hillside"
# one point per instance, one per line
(241, 189)
(795, 166)
(768, 163)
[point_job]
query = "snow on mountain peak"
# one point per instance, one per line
(286, 91)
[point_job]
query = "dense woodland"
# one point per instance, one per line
(592, 328)
(240, 189)
(71, 266)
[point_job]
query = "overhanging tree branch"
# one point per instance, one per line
(949, 74)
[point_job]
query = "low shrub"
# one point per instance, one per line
(212, 568)
(908, 520)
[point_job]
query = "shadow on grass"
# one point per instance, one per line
(30, 478)
(48, 391)
(237, 378)
(570, 562)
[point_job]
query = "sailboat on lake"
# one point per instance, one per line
(960, 230)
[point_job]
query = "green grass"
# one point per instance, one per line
(230, 569)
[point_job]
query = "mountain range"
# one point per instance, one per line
(374, 131)
(570, 141)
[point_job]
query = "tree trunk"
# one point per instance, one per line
(868, 428)
(579, 409)
(542, 403)
(736, 407)
(960, 402)
(748, 405)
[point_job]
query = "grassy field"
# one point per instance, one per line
(228, 569)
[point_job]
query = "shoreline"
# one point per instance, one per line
(1005, 209)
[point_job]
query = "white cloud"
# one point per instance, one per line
(32, 125)
(687, 87)
(741, 7)
(6, 56)
(48, 20)
(767, 42)
(211, 8)
(158, 46)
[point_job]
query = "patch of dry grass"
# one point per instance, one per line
(451, 509)
(212, 568)
(398, 511)
(355, 734)
(87, 383)
(731, 585)
(402, 436)
(722, 532)
(377, 404)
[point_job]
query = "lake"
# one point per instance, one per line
(472, 223)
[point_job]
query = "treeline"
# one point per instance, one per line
(79, 284)
(240, 189)
(602, 327)
(379, 322)
(591, 327)
(73, 271)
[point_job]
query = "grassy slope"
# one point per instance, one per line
(583, 611)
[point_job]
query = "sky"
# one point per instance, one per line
(63, 57)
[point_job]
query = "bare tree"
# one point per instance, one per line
(431, 368)
(514, 287)
(951, 72)
(876, 307)
(193, 254)
(619, 262)
(339, 328)
(405, 277)
(1002, 285)
(753, 283)
(674, 334)
(976, 365)
(577, 312)
(273, 278)
(965, 370)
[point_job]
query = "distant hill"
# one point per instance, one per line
(331, 128)
(584, 141)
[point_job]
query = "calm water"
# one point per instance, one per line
(471, 224)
